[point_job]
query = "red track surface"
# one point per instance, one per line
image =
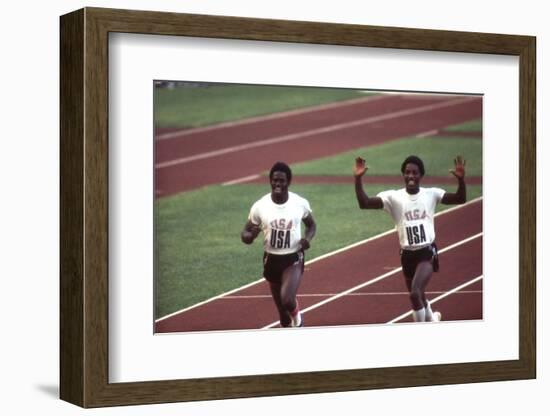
(369, 180)
(305, 136)
(379, 302)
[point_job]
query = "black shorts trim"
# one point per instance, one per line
(276, 264)
(411, 258)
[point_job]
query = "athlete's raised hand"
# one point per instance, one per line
(459, 171)
(360, 167)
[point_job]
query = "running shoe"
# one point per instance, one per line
(298, 323)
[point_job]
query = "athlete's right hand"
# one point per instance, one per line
(460, 168)
(250, 232)
(360, 167)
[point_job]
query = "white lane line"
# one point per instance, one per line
(358, 294)
(340, 250)
(307, 263)
(427, 133)
(372, 281)
(283, 114)
(241, 180)
(432, 301)
(208, 300)
(310, 133)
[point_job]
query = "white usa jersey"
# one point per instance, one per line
(413, 215)
(280, 223)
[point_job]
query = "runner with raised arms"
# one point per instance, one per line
(412, 209)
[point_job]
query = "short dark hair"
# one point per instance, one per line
(414, 160)
(281, 167)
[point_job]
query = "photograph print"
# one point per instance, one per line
(301, 207)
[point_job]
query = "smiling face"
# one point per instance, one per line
(279, 187)
(412, 177)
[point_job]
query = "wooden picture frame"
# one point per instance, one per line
(84, 207)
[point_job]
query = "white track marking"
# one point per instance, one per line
(244, 179)
(332, 253)
(427, 133)
(372, 281)
(310, 133)
(209, 300)
(274, 116)
(466, 240)
(444, 295)
(321, 295)
(241, 180)
(307, 263)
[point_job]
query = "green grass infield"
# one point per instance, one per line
(473, 125)
(437, 153)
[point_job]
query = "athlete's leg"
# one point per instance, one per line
(408, 282)
(419, 282)
(284, 316)
(430, 315)
(291, 279)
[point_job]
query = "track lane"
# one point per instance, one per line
(195, 173)
(458, 266)
(200, 140)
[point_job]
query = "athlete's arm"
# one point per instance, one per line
(311, 228)
(250, 232)
(364, 201)
(459, 172)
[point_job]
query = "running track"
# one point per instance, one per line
(362, 284)
(379, 302)
(189, 159)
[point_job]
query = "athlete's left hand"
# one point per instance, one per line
(304, 244)
(459, 171)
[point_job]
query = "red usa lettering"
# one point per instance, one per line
(415, 215)
(281, 224)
